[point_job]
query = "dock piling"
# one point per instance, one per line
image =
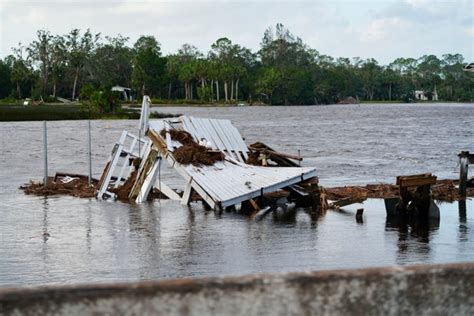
(464, 159)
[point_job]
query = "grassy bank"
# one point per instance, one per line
(54, 112)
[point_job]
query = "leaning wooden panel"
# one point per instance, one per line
(227, 182)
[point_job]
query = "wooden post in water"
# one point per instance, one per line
(45, 153)
(415, 193)
(359, 214)
(463, 170)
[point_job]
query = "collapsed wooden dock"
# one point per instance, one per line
(215, 165)
(231, 180)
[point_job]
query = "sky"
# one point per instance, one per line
(380, 29)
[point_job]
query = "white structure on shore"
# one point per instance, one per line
(126, 92)
(421, 95)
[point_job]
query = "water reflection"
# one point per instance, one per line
(91, 241)
(463, 228)
(462, 211)
(46, 234)
(413, 236)
(88, 227)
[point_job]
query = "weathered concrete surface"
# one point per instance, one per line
(420, 290)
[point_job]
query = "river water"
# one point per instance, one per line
(63, 240)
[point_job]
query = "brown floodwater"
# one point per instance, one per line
(63, 240)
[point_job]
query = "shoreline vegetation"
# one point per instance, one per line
(56, 112)
(10, 112)
(85, 67)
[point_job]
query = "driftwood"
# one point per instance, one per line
(347, 201)
(261, 153)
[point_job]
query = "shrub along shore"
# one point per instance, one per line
(54, 112)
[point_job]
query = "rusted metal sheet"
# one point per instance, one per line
(414, 290)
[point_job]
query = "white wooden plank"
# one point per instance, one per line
(169, 146)
(228, 129)
(146, 151)
(189, 127)
(237, 141)
(215, 137)
(115, 156)
(167, 191)
(203, 132)
(183, 172)
(221, 131)
(209, 132)
(125, 160)
(222, 146)
(148, 183)
(187, 193)
(219, 188)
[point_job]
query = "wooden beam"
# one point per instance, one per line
(469, 156)
(347, 201)
(254, 205)
(167, 191)
(187, 193)
(416, 180)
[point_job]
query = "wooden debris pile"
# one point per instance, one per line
(122, 193)
(262, 155)
(191, 152)
(443, 190)
(63, 184)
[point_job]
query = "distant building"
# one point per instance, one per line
(420, 95)
(126, 92)
(423, 96)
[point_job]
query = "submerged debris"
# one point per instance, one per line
(73, 185)
(122, 193)
(443, 190)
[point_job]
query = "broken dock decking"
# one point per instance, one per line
(229, 181)
(211, 156)
(222, 171)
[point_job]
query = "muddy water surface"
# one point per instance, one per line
(59, 240)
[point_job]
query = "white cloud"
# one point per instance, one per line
(365, 28)
(470, 31)
(379, 29)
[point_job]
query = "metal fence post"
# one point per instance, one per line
(45, 153)
(89, 150)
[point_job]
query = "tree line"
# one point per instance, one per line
(283, 71)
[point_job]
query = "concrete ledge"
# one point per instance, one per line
(420, 290)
